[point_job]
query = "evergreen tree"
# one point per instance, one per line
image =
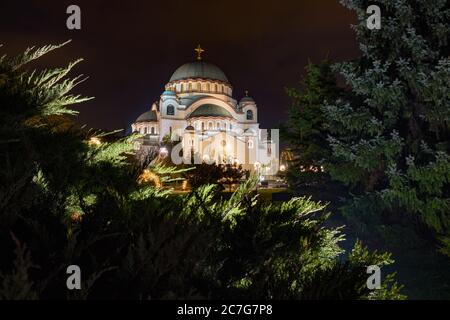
(391, 140)
(306, 129)
(69, 198)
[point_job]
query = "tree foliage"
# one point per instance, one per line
(306, 129)
(391, 137)
(66, 201)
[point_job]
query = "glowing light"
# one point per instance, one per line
(77, 216)
(257, 165)
(282, 168)
(184, 185)
(163, 152)
(261, 178)
(94, 141)
(148, 176)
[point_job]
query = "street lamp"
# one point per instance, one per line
(163, 152)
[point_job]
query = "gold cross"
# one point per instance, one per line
(199, 51)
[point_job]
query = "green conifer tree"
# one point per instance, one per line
(306, 129)
(391, 140)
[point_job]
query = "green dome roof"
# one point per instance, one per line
(169, 93)
(247, 99)
(147, 116)
(199, 69)
(210, 110)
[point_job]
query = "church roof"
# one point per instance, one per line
(169, 93)
(210, 110)
(247, 99)
(147, 116)
(199, 69)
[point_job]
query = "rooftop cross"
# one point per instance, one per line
(199, 51)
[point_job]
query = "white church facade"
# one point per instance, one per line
(198, 113)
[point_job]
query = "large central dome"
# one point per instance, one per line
(199, 70)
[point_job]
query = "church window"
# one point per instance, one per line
(145, 130)
(224, 126)
(203, 126)
(217, 125)
(199, 86)
(231, 126)
(249, 115)
(210, 126)
(190, 86)
(152, 130)
(207, 87)
(250, 144)
(170, 110)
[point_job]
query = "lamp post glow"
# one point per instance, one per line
(94, 141)
(163, 152)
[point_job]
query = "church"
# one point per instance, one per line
(198, 114)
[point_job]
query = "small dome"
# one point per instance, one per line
(169, 93)
(189, 128)
(147, 116)
(247, 99)
(200, 70)
(210, 110)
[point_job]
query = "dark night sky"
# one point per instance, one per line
(131, 48)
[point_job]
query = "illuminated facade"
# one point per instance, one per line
(197, 108)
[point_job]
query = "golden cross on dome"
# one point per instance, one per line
(199, 51)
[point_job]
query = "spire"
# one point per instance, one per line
(199, 51)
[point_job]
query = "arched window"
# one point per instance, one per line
(224, 126)
(207, 87)
(249, 115)
(231, 126)
(170, 110)
(199, 86)
(152, 130)
(250, 144)
(210, 126)
(215, 88)
(145, 130)
(203, 126)
(217, 125)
